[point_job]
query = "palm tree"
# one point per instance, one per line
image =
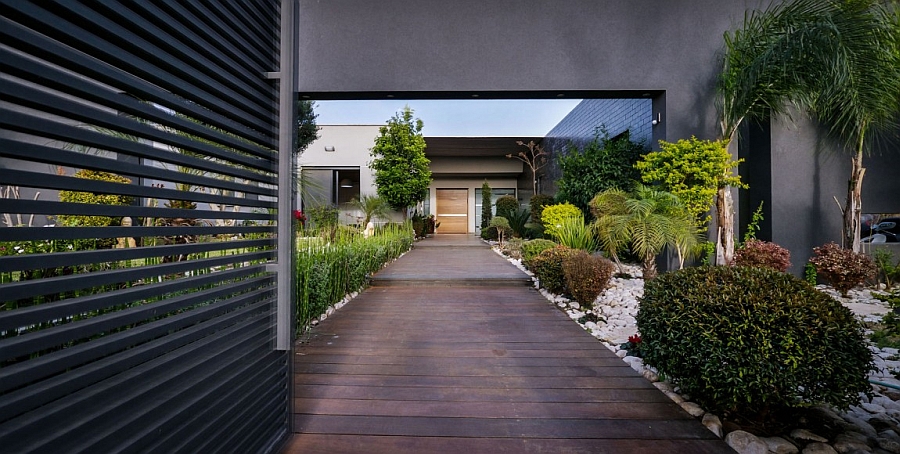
(839, 60)
(646, 220)
(372, 206)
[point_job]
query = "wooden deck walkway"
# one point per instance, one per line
(454, 368)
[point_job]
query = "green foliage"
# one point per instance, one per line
(537, 204)
(323, 216)
(553, 215)
(500, 225)
(753, 226)
(763, 254)
(752, 341)
(512, 248)
(326, 271)
(809, 274)
(646, 221)
(693, 170)
(307, 130)
(574, 233)
(602, 164)
(587, 276)
(93, 198)
(842, 268)
(507, 204)
(888, 334)
(837, 60)
(402, 171)
(518, 222)
(888, 271)
(372, 206)
(548, 268)
(531, 249)
(486, 212)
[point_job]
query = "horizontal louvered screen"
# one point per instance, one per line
(138, 198)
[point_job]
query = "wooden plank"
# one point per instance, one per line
(456, 369)
(347, 444)
(628, 382)
(674, 429)
(484, 409)
(460, 394)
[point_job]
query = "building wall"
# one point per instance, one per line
(508, 48)
(581, 125)
(469, 183)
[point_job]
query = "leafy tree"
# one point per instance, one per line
(602, 164)
(307, 130)
(836, 59)
(401, 168)
(695, 171)
(646, 220)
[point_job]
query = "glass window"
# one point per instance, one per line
(496, 193)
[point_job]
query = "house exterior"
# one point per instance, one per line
(336, 164)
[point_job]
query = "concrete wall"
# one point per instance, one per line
(516, 48)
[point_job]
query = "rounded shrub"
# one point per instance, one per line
(553, 216)
(548, 267)
(507, 204)
(91, 197)
(763, 254)
(531, 249)
(752, 341)
(842, 268)
(587, 276)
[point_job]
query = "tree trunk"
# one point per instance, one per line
(724, 227)
(649, 267)
(853, 208)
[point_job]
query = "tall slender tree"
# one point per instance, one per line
(838, 60)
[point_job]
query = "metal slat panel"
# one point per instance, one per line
(91, 44)
(60, 309)
(147, 339)
(69, 233)
(56, 156)
(44, 181)
(49, 76)
(37, 99)
(55, 259)
(26, 399)
(106, 396)
(15, 34)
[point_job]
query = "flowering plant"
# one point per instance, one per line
(633, 346)
(300, 217)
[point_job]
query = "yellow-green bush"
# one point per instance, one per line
(553, 215)
(93, 198)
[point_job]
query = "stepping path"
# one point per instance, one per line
(452, 351)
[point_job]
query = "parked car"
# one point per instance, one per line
(885, 231)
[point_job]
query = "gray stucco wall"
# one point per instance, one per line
(807, 173)
(519, 48)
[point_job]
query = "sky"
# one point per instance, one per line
(478, 118)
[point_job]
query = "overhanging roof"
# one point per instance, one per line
(473, 147)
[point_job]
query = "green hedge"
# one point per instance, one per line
(328, 270)
(752, 341)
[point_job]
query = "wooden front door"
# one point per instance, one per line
(453, 210)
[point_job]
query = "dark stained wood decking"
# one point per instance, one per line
(472, 369)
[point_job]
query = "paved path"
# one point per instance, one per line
(472, 361)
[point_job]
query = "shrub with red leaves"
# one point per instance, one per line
(586, 276)
(763, 254)
(842, 268)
